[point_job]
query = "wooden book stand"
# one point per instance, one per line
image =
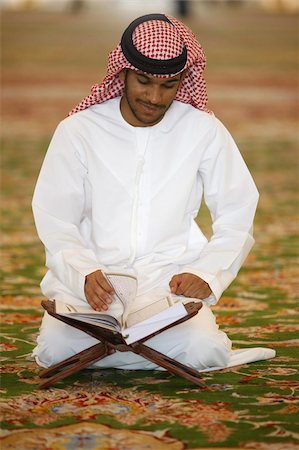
(112, 341)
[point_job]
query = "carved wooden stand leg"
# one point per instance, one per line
(171, 365)
(75, 363)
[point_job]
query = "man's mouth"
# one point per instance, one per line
(150, 109)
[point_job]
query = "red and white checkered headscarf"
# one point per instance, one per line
(160, 40)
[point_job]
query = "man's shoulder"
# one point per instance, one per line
(93, 113)
(187, 113)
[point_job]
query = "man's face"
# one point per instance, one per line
(146, 97)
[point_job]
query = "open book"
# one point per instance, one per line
(132, 326)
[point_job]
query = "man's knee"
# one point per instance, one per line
(209, 351)
(193, 345)
(205, 350)
(52, 348)
(58, 341)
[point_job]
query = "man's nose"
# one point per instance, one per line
(154, 95)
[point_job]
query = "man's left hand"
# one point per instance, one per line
(189, 285)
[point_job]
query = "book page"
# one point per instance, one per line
(154, 323)
(64, 308)
(149, 311)
(88, 315)
(125, 287)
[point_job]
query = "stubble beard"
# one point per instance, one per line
(138, 116)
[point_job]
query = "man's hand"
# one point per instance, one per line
(98, 291)
(189, 285)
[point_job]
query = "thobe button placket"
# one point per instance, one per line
(138, 219)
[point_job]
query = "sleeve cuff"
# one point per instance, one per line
(75, 265)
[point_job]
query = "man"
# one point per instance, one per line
(120, 188)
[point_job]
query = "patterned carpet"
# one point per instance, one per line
(252, 407)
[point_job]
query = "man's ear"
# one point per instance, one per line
(122, 74)
(183, 74)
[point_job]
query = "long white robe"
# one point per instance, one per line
(120, 198)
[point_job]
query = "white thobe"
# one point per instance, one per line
(115, 197)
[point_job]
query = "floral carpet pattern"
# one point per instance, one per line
(251, 407)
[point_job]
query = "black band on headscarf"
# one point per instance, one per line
(150, 65)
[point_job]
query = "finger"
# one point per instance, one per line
(198, 291)
(104, 283)
(103, 297)
(192, 286)
(93, 287)
(184, 285)
(97, 298)
(92, 298)
(101, 292)
(192, 291)
(173, 284)
(94, 304)
(98, 304)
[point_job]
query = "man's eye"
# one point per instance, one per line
(142, 80)
(169, 86)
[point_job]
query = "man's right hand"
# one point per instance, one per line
(98, 291)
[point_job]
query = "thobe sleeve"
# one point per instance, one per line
(231, 196)
(58, 207)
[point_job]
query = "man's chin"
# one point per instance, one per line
(150, 120)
